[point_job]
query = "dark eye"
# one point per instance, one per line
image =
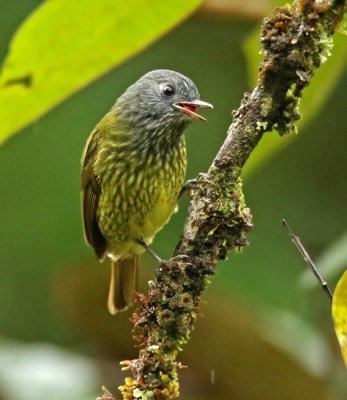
(168, 90)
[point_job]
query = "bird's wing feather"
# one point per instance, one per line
(90, 197)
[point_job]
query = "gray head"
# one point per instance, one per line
(161, 101)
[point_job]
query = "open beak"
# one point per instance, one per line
(189, 107)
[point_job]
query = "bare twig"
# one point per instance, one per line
(296, 240)
(295, 41)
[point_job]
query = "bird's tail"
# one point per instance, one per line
(123, 284)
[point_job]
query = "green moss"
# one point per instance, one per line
(262, 126)
(141, 394)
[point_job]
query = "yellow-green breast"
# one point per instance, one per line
(139, 192)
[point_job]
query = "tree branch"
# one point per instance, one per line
(295, 41)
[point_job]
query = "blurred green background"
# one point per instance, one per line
(266, 330)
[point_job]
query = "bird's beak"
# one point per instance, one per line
(189, 107)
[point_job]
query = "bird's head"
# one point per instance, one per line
(161, 99)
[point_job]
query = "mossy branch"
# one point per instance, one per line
(295, 41)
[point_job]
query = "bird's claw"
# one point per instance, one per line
(179, 257)
(197, 183)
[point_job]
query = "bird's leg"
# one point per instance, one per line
(150, 251)
(154, 255)
(197, 183)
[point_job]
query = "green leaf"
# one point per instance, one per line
(64, 45)
(314, 97)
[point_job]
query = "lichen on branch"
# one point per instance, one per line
(295, 41)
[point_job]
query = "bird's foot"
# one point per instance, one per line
(197, 183)
(153, 253)
(179, 258)
(150, 251)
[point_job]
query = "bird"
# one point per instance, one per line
(133, 170)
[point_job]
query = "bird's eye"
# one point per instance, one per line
(168, 90)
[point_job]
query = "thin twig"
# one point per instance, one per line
(296, 240)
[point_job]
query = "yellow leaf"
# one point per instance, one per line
(339, 311)
(65, 44)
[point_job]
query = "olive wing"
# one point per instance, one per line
(90, 197)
